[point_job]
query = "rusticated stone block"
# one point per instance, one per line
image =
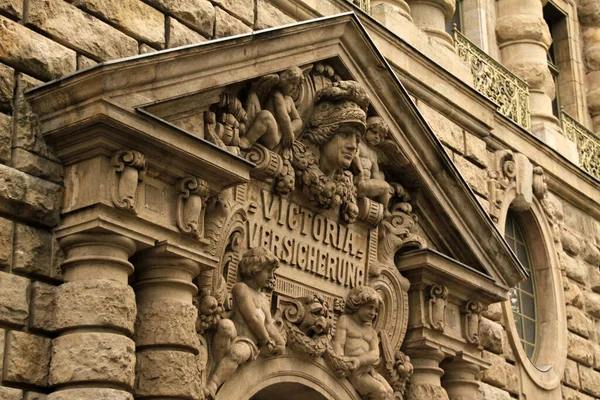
(426, 391)
(14, 299)
(7, 393)
(512, 379)
(2, 341)
(197, 14)
(476, 150)
(592, 303)
(97, 357)
(571, 377)
(591, 38)
(596, 351)
(7, 87)
(487, 392)
(578, 322)
(227, 25)
(33, 250)
(28, 197)
(588, 12)
(490, 336)
(590, 381)
(5, 138)
(167, 323)
(88, 394)
(578, 349)
(591, 254)
(476, 177)
(42, 306)
(27, 358)
(570, 243)
(6, 242)
(573, 294)
(268, 16)
(131, 16)
(12, 7)
(496, 374)
(180, 35)
(23, 49)
(34, 396)
(145, 49)
(99, 302)
(493, 312)
(447, 131)
(84, 62)
(79, 31)
(241, 9)
(35, 165)
(570, 394)
(166, 373)
(575, 269)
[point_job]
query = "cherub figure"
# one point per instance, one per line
(356, 339)
(371, 181)
(278, 122)
(250, 328)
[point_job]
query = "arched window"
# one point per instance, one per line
(523, 297)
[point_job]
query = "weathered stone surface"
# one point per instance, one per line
(571, 377)
(7, 393)
(590, 381)
(496, 374)
(33, 250)
(42, 306)
(87, 394)
(241, 9)
(508, 352)
(268, 16)
(35, 165)
(227, 25)
(578, 349)
(476, 150)
(23, 49)
(594, 279)
(570, 242)
(6, 242)
(512, 379)
(493, 312)
(577, 221)
(98, 302)
(167, 323)
(2, 341)
(592, 303)
(12, 7)
(132, 16)
(84, 62)
(5, 138)
(447, 131)
(180, 35)
(167, 373)
(588, 12)
(98, 357)
(570, 394)
(591, 37)
(476, 177)
(34, 396)
(7, 87)
(490, 335)
(79, 30)
(197, 14)
(487, 392)
(578, 322)
(596, 351)
(145, 49)
(591, 254)
(575, 269)
(27, 358)
(573, 294)
(14, 299)
(28, 197)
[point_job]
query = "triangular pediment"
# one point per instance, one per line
(181, 91)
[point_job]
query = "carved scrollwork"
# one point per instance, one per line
(130, 169)
(307, 325)
(397, 366)
(191, 206)
(472, 318)
(438, 295)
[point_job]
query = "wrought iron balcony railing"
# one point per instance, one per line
(588, 144)
(495, 81)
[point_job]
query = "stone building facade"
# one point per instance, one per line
(428, 196)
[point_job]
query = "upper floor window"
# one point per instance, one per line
(522, 297)
(456, 19)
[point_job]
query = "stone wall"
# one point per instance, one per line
(42, 40)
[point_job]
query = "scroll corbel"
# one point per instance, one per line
(191, 205)
(129, 169)
(472, 317)
(437, 306)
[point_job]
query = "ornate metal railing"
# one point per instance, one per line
(588, 144)
(364, 5)
(495, 81)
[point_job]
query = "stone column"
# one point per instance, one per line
(460, 378)
(165, 337)
(589, 17)
(94, 357)
(431, 17)
(524, 39)
(425, 382)
(389, 12)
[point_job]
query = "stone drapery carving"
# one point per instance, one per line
(472, 317)
(437, 306)
(130, 169)
(191, 206)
